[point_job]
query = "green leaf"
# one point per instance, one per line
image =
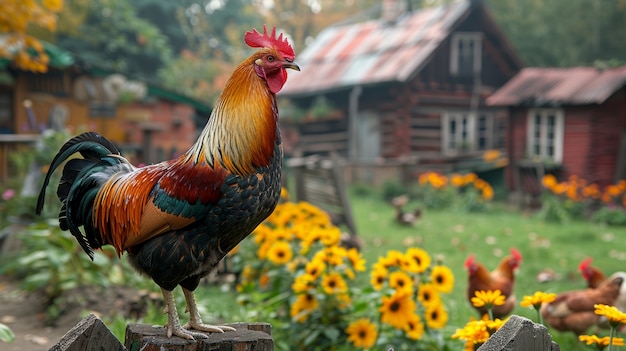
(6, 334)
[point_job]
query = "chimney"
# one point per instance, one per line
(392, 10)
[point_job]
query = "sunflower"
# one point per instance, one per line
(394, 258)
(442, 278)
(397, 310)
(333, 283)
(418, 260)
(601, 342)
(474, 332)
(535, 300)
(428, 295)
(436, 316)
(314, 268)
(401, 281)
(615, 316)
(355, 258)
(303, 283)
(378, 277)
(414, 328)
(362, 333)
(280, 252)
(331, 236)
(488, 298)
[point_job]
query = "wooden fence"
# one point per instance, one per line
(90, 334)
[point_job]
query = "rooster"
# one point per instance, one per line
(502, 278)
(574, 310)
(177, 219)
(592, 275)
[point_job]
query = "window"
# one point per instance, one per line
(465, 54)
(545, 134)
(465, 131)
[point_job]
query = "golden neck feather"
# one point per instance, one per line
(241, 131)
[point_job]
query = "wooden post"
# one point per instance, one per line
(90, 334)
(520, 334)
(248, 337)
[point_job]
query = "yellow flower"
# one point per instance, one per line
(488, 298)
(280, 252)
(303, 303)
(333, 283)
(428, 295)
(414, 328)
(442, 278)
(611, 313)
(315, 268)
(355, 258)
(397, 310)
(394, 258)
(303, 283)
(401, 282)
(537, 299)
(362, 333)
(474, 332)
(601, 341)
(436, 316)
(378, 277)
(418, 260)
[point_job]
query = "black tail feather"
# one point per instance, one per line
(91, 146)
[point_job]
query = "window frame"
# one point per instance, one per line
(557, 139)
(472, 132)
(455, 55)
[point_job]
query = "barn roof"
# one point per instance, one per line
(374, 51)
(559, 86)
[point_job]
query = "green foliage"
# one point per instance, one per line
(113, 37)
(553, 209)
(391, 189)
(610, 215)
(6, 334)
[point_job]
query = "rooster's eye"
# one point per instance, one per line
(270, 58)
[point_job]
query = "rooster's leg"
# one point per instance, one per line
(173, 322)
(195, 322)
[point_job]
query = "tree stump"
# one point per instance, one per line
(247, 337)
(520, 334)
(89, 334)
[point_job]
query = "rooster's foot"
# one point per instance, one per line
(207, 327)
(184, 333)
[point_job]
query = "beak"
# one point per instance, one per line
(292, 65)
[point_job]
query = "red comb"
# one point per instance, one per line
(516, 254)
(255, 39)
(469, 262)
(584, 264)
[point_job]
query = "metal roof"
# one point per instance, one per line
(559, 86)
(373, 52)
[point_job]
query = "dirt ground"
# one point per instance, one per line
(24, 313)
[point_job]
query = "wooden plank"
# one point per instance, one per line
(520, 334)
(90, 334)
(248, 336)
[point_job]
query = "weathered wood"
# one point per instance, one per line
(520, 334)
(248, 337)
(319, 181)
(90, 334)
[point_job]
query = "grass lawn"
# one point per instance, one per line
(451, 235)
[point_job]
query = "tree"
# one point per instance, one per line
(18, 19)
(111, 36)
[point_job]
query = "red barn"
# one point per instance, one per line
(567, 121)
